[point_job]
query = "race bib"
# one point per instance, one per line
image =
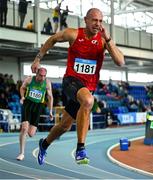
(85, 66)
(35, 94)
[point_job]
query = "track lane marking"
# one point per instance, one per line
(125, 165)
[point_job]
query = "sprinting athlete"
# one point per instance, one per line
(85, 58)
(33, 92)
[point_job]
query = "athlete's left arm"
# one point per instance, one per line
(115, 53)
(49, 97)
(113, 50)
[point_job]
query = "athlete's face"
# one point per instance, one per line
(41, 75)
(93, 21)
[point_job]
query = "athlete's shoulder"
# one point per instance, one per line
(71, 31)
(28, 79)
(48, 81)
(70, 34)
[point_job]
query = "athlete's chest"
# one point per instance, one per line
(88, 47)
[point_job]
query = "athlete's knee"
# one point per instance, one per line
(31, 134)
(32, 131)
(88, 102)
(85, 98)
(24, 128)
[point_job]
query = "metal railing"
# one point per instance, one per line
(7, 126)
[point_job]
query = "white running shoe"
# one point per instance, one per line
(20, 157)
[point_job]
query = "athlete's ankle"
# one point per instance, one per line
(80, 146)
(45, 144)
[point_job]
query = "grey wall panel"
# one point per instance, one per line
(120, 35)
(133, 38)
(9, 65)
(145, 40)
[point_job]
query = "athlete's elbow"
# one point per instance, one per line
(120, 61)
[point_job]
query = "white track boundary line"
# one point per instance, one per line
(61, 167)
(100, 170)
(10, 172)
(125, 165)
(16, 164)
(5, 161)
(72, 154)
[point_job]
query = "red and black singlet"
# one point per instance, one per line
(85, 58)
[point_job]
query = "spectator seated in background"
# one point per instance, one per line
(10, 79)
(102, 88)
(133, 106)
(112, 87)
(2, 82)
(3, 101)
(149, 91)
(30, 25)
(141, 106)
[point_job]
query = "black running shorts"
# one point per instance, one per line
(71, 85)
(31, 112)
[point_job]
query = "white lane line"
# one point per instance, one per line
(10, 172)
(78, 172)
(106, 131)
(61, 167)
(25, 167)
(15, 164)
(72, 153)
(92, 167)
(50, 163)
(34, 152)
(125, 165)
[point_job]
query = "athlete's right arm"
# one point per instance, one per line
(23, 88)
(67, 35)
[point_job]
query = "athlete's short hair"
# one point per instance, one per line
(42, 71)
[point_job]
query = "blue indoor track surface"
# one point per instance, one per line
(60, 163)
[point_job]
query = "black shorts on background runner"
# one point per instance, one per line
(31, 112)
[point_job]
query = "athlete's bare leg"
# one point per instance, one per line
(64, 125)
(25, 130)
(22, 139)
(32, 130)
(86, 101)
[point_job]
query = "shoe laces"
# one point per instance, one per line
(43, 152)
(81, 152)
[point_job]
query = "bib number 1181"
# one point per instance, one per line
(84, 68)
